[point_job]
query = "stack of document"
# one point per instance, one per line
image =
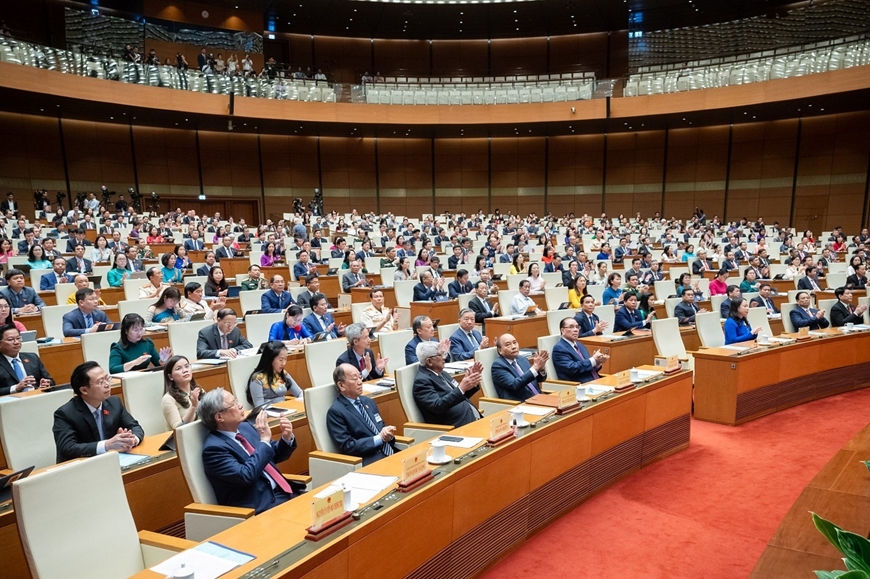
(363, 488)
(375, 389)
(207, 561)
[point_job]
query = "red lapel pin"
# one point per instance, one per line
(105, 412)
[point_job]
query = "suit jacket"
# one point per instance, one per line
(805, 283)
(24, 247)
(480, 313)
(800, 318)
(76, 434)
(698, 266)
(626, 319)
(312, 324)
(273, 304)
(424, 294)
(586, 328)
(725, 309)
(441, 401)
(33, 366)
(350, 278)
(238, 478)
(222, 252)
(303, 300)
(27, 296)
(5, 206)
(840, 316)
(349, 357)
(461, 347)
(454, 262)
(191, 245)
(202, 270)
(49, 280)
(208, 342)
(513, 386)
(685, 313)
(411, 349)
(74, 322)
(349, 431)
(300, 269)
(759, 302)
(455, 289)
(550, 268)
(72, 265)
(570, 365)
(853, 281)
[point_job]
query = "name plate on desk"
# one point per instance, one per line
(670, 364)
(567, 398)
(623, 378)
(326, 509)
(804, 333)
(414, 467)
(499, 427)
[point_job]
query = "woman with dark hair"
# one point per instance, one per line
(518, 264)
(613, 294)
(154, 236)
(166, 309)
(6, 315)
(180, 392)
(135, 351)
(36, 258)
(547, 256)
(119, 271)
(217, 285)
(535, 280)
(291, 329)
(181, 260)
(403, 272)
(269, 382)
(170, 273)
(270, 257)
(737, 328)
(750, 282)
(644, 308)
(6, 251)
(101, 253)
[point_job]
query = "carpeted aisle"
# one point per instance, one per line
(707, 511)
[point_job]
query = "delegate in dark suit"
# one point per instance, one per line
(511, 385)
(424, 294)
(481, 311)
(725, 308)
(272, 303)
(237, 477)
(626, 319)
(441, 401)
(800, 318)
(48, 281)
(193, 245)
(208, 342)
(312, 324)
(685, 313)
(806, 283)
(841, 314)
(760, 302)
(455, 289)
(72, 265)
(570, 365)
(33, 366)
(349, 357)
(411, 349)
(461, 348)
(350, 432)
(698, 266)
(587, 326)
(74, 322)
(224, 252)
(201, 270)
(856, 282)
(75, 431)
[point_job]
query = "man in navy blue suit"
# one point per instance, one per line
(86, 318)
(628, 318)
(276, 299)
(239, 459)
(58, 275)
(571, 358)
(194, 243)
(461, 285)
(514, 377)
(590, 324)
(804, 315)
(319, 320)
(360, 355)
(466, 340)
(428, 289)
(353, 420)
(424, 331)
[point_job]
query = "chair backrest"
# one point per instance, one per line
(239, 371)
(555, 296)
(446, 330)
(486, 357)
(555, 317)
(96, 346)
(143, 393)
(670, 304)
(786, 317)
(52, 319)
(513, 280)
(41, 501)
(464, 299)
(505, 297)
(63, 290)
(666, 335)
(318, 399)
(596, 291)
(131, 288)
(716, 302)
(183, 337)
(320, 358)
(133, 306)
(373, 265)
(386, 274)
(356, 311)
(189, 439)
(405, 388)
(758, 317)
(392, 346)
(35, 276)
(547, 343)
(826, 305)
(257, 326)
(250, 300)
(25, 429)
(866, 302)
(404, 292)
(835, 279)
(664, 289)
(709, 326)
(606, 314)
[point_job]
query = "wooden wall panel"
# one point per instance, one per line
(518, 169)
(98, 154)
(32, 157)
(193, 13)
(405, 175)
(349, 179)
(579, 52)
(346, 58)
(301, 52)
(576, 171)
(634, 173)
(402, 57)
(519, 56)
(459, 57)
(697, 168)
(290, 170)
(461, 173)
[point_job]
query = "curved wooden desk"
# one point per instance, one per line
(733, 387)
(470, 515)
(840, 492)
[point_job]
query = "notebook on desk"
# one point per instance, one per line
(233, 291)
(6, 482)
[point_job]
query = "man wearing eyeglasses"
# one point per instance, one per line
(19, 372)
(239, 458)
(93, 421)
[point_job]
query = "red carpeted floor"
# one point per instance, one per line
(707, 511)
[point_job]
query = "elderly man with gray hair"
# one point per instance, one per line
(439, 397)
(238, 458)
(360, 355)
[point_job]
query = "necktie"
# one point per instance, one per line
(89, 321)
(322, 322)
(385, 448)
(849, 307)
(474, 343)
(81, 266)
(99, 420)
(486, 305)
(531, 384)
(224, 344)
(362, 365)
(594, 373)
(19, 369)
(270, 470)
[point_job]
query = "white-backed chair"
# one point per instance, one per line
(490, 403)
(446, 330)
(62, 291)
(553, 383)
(757, 317)
(833, 280)
(670, 304)
(320, 359)
(716, 302)
(239, 372)
(131, 288)
(666, 336)
(709, 326)
(866, 302)
(183, 337)
(36, 276)
(43, 500)
(52, 319)
(392, 346)
(555, 317)
(606, 314)
(133, 306)
(25, 429)
(513, 281)
(95, 346)
(386, 274)
(250, 300)
(555, 297)
(786, 309)
(143, 393)
(404, 292)
(415, 427)
(505, 297)
(356, 311)
(257, 326)
(826, 305)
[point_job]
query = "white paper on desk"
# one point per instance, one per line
(459, 366)
(534, 410)
(123, 375)
(782, 340)
(279, 412)
(774, 316)
(646, 374)
(466, 442)
(363, 487)
(375, 389)
(821, 334)
(248, 352)
(128, 459)
(208, 561)
(52, 342)
(738, 348)
(861, 327)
